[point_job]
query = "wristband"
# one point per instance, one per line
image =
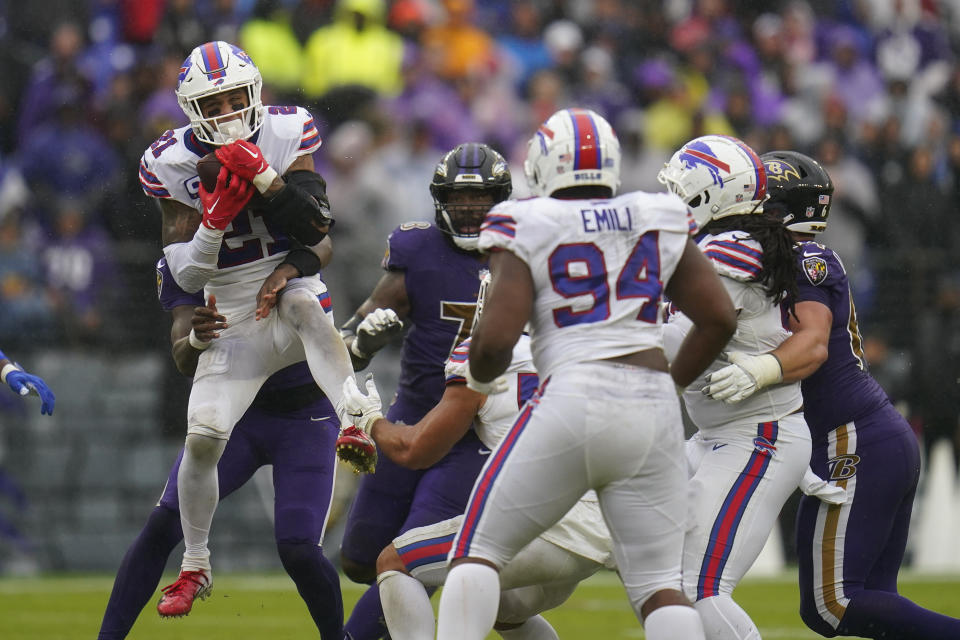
(766, 369)
(196, 343)
(305, 261)
(7, 368)
(264, 179)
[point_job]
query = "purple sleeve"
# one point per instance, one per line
(170, 293)
(821, 275)
(404, 245)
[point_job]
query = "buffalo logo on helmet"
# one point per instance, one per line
(816, 270)
(184, 70)
(241, 54)
(699, 153)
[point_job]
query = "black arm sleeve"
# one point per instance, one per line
(303, 259)
(302, 207)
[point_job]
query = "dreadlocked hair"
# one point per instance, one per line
(778, 266)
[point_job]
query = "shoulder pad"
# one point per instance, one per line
(410, 241)
(734, 254)
(819, 263)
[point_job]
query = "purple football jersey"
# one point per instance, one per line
(842, 389)
(442, 285)
(171, 295)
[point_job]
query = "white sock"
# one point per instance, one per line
(673, 622)
(536, 628)
(469, 602)
(724, 619)
(406, 606)
(198, 494)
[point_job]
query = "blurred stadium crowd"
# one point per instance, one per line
(869, 87)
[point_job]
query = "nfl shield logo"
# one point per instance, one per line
(816, 270)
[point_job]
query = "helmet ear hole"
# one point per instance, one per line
(695, 202)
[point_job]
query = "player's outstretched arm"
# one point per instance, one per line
(802, 353)
(696, 290)
(23, 383)
(429, 440)
(506, 309)
(364, 340)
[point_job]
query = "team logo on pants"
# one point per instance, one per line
(843, 467)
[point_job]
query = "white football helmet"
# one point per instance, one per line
(213, 68)
(716, 176)
(573, 148)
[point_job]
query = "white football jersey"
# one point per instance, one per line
(499, 410)
(599, 268)
(252, 246)
(583, 529)
(736, 257)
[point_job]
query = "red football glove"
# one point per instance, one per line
(246, 160)
(226, 201)
(357, 449)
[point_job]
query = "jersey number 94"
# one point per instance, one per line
(580, 269)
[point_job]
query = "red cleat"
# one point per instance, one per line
(357, 449)
(178, 597)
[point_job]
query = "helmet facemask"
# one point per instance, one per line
(460, 212)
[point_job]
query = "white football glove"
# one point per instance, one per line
(378, 328)
(363, 409)
(497, 385)
(745, 376)
(813, 485)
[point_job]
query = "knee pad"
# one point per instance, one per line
(299, 305)
(204, 448)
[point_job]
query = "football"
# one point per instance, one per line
(208, 167)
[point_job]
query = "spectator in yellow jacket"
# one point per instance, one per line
(356, 49)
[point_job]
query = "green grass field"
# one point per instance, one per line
(268, 607)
